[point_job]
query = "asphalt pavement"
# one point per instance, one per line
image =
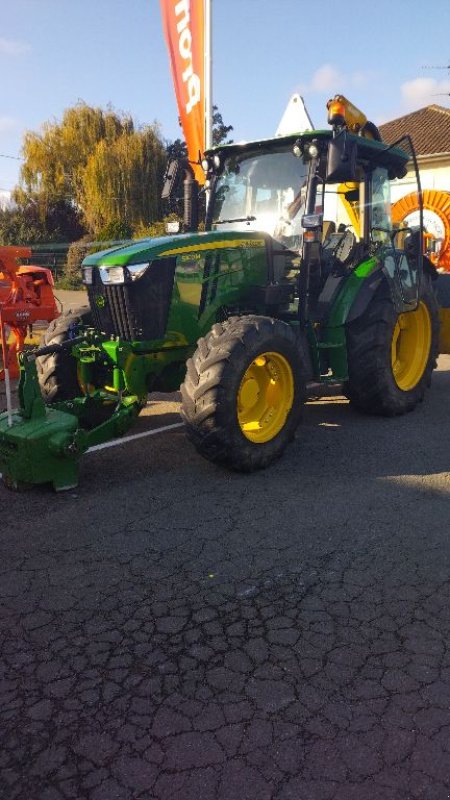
(174, 631)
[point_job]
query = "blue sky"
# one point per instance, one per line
(56, 52)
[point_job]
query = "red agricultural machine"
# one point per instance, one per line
(26, 297)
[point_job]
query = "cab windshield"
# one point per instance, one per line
(264, 191)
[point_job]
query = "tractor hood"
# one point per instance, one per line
(144, 250)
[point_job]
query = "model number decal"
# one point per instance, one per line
(252, 243)
(190, 257)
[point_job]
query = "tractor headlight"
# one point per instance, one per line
(313, 150)
(111, 274)
(136, 271)
(297, 149)
(87, 275)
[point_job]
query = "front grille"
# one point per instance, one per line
(135, 311)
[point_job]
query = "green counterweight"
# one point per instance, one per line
(38, 444)
(42, 444)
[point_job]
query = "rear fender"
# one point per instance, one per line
(356, 294)
(364, 297)
(352, 300)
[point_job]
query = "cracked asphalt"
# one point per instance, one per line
(172, 631)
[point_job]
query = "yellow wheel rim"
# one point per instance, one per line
(265, 397)
(410, 349)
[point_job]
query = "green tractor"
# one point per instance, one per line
(300, 283)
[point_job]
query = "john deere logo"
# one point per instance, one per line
(100, 301)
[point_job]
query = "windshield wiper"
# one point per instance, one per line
(236, 219)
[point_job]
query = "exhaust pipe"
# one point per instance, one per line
(190, 205)
(172, 181)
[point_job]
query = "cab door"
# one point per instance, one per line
(398, 248)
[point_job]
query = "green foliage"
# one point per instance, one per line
(93, 176)
(76, 253)
(20, 227)
(72, 273)
(220, 131)
(115, 230)
(54, 160)
(156, 229)
(176, 150)
(123, 180)
(94, 161)
(32, 222)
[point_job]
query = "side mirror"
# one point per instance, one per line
(341, 160)
(311, 222)
(170, 177)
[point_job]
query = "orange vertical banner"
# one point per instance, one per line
(184, 31)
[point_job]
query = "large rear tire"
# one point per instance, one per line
(57, 372)
(391, 356)
(243, 392)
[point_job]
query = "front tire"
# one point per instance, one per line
(243, 392)
(391, 356)
(57, 372)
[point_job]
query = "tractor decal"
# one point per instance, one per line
(227, 243)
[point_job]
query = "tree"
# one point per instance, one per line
(88, 154)
(177, 148)
(54, 159)
(28, 223)
(122, 181)
(220, 131)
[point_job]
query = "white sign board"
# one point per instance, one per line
(295, 118)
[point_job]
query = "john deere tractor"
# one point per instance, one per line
(299, 279)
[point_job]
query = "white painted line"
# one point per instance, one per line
(125, 439)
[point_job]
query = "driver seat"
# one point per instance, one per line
(328, 227)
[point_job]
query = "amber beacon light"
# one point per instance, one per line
(336, 112)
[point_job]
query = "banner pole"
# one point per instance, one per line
(208, 74)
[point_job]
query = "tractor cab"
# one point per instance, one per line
(326, 196)
(260, 187)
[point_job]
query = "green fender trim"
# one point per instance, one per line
(350, 290)
(333, 336)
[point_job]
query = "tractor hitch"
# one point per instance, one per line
(40, 443)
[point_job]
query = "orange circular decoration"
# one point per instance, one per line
(436, 220)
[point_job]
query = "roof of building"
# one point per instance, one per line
(428, 127)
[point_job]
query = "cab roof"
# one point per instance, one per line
(370, 150)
